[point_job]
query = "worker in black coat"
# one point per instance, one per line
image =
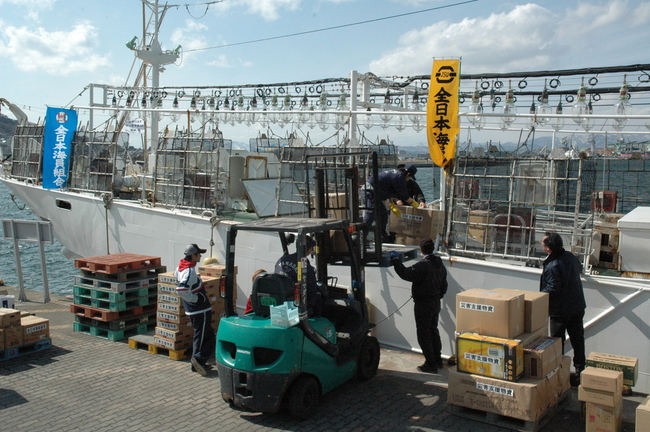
(429, 285)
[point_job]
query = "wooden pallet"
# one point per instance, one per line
(511, 422)
(104, 315)
(146, 342)
(125, 276)
(89, 282)
(118, 324)
(116, 263)
(25, 349)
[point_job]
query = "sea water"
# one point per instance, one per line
(60, 270)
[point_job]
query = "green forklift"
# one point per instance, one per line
(299, 342)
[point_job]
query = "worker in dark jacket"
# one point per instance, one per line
(415, 191)
(391, 184)
(196, 304)
(561, 280)
(429, 285)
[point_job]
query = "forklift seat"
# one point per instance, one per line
(271, 289)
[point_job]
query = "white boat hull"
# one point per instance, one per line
(615, 321)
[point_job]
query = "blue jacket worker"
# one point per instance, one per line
(391, 184)
(195, 301)
(429, 285)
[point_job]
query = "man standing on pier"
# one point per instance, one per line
(429, 285)
(561, 280)
(195, 301)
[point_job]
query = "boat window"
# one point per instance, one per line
(63, 204)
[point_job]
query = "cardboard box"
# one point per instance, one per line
(9, 318)
(542, 356)
(477, 227)
(628, 365)
(212, 270)
(2, 340)
(172, 345)
(185, 326)
(490, 313)
(604, 398)
(527, 399)
(7, 301)
(175, 336)
(420, 223)
(602, 379)
(407, 240)
(336, 206)
(643, 416)
(35, 329)
(490, 356)
(13, 337)
(535, 308)
(528, 338)
(603, 419)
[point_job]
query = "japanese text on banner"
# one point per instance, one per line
(60, 127)
(442, 111)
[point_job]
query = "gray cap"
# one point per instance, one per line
(192, 249)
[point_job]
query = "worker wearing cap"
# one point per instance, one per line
(391, 184)
(195, 301)
(415, 191)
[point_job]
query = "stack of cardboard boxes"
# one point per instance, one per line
(507, 364)
(173, 328)
(643, 416)
(20, 332)
(602, 390)
(115, 295)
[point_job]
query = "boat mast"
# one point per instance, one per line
(151, 53)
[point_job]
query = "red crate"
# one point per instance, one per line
(116, 263)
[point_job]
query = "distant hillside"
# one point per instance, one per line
(7, 126)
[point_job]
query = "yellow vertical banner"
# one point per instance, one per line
(442, 111)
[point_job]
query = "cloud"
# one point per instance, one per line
(267, 9)
(189, 37)
(33, 7)
(528, 37)
(55, 53)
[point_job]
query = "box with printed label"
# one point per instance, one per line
(605, 398)
(603, 418)
(628, 365)
(35, 329)
(602, 379)
(212, 270)
(535, 308)
(9, 317)
(170, 344)
(421, 223)
(490, 313)
(173, 335)
(528, 399)
(542, 356)
(181, 327)
(13, 337)
(528, 338)
(490, 356)
(643, 416)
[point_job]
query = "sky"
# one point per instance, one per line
(51, 49)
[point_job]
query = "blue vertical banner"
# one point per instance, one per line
(60, 126)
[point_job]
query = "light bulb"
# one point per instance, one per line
(622, 107)
(580, 108)
(240, 115)
(367, 121)
(476, 107)
(286, 115)
(175, 116)
(311, 121)
(193, 115)
(322, 117)
(342, 112)
(543, 109)
(252, 113)
(415, 106)
(400, 123)
(386, 107)
(588, 122)
(303, 114)
(226, 110)
(509, 109)
(159, 105)
(274, 116)
(557, 123)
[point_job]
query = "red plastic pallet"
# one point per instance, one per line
(104, 315)
(116, 263)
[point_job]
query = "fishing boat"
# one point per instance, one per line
(187, 184)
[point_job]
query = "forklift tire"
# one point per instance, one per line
(368, 361)
(303, 397)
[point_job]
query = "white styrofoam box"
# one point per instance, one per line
(634, 242)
